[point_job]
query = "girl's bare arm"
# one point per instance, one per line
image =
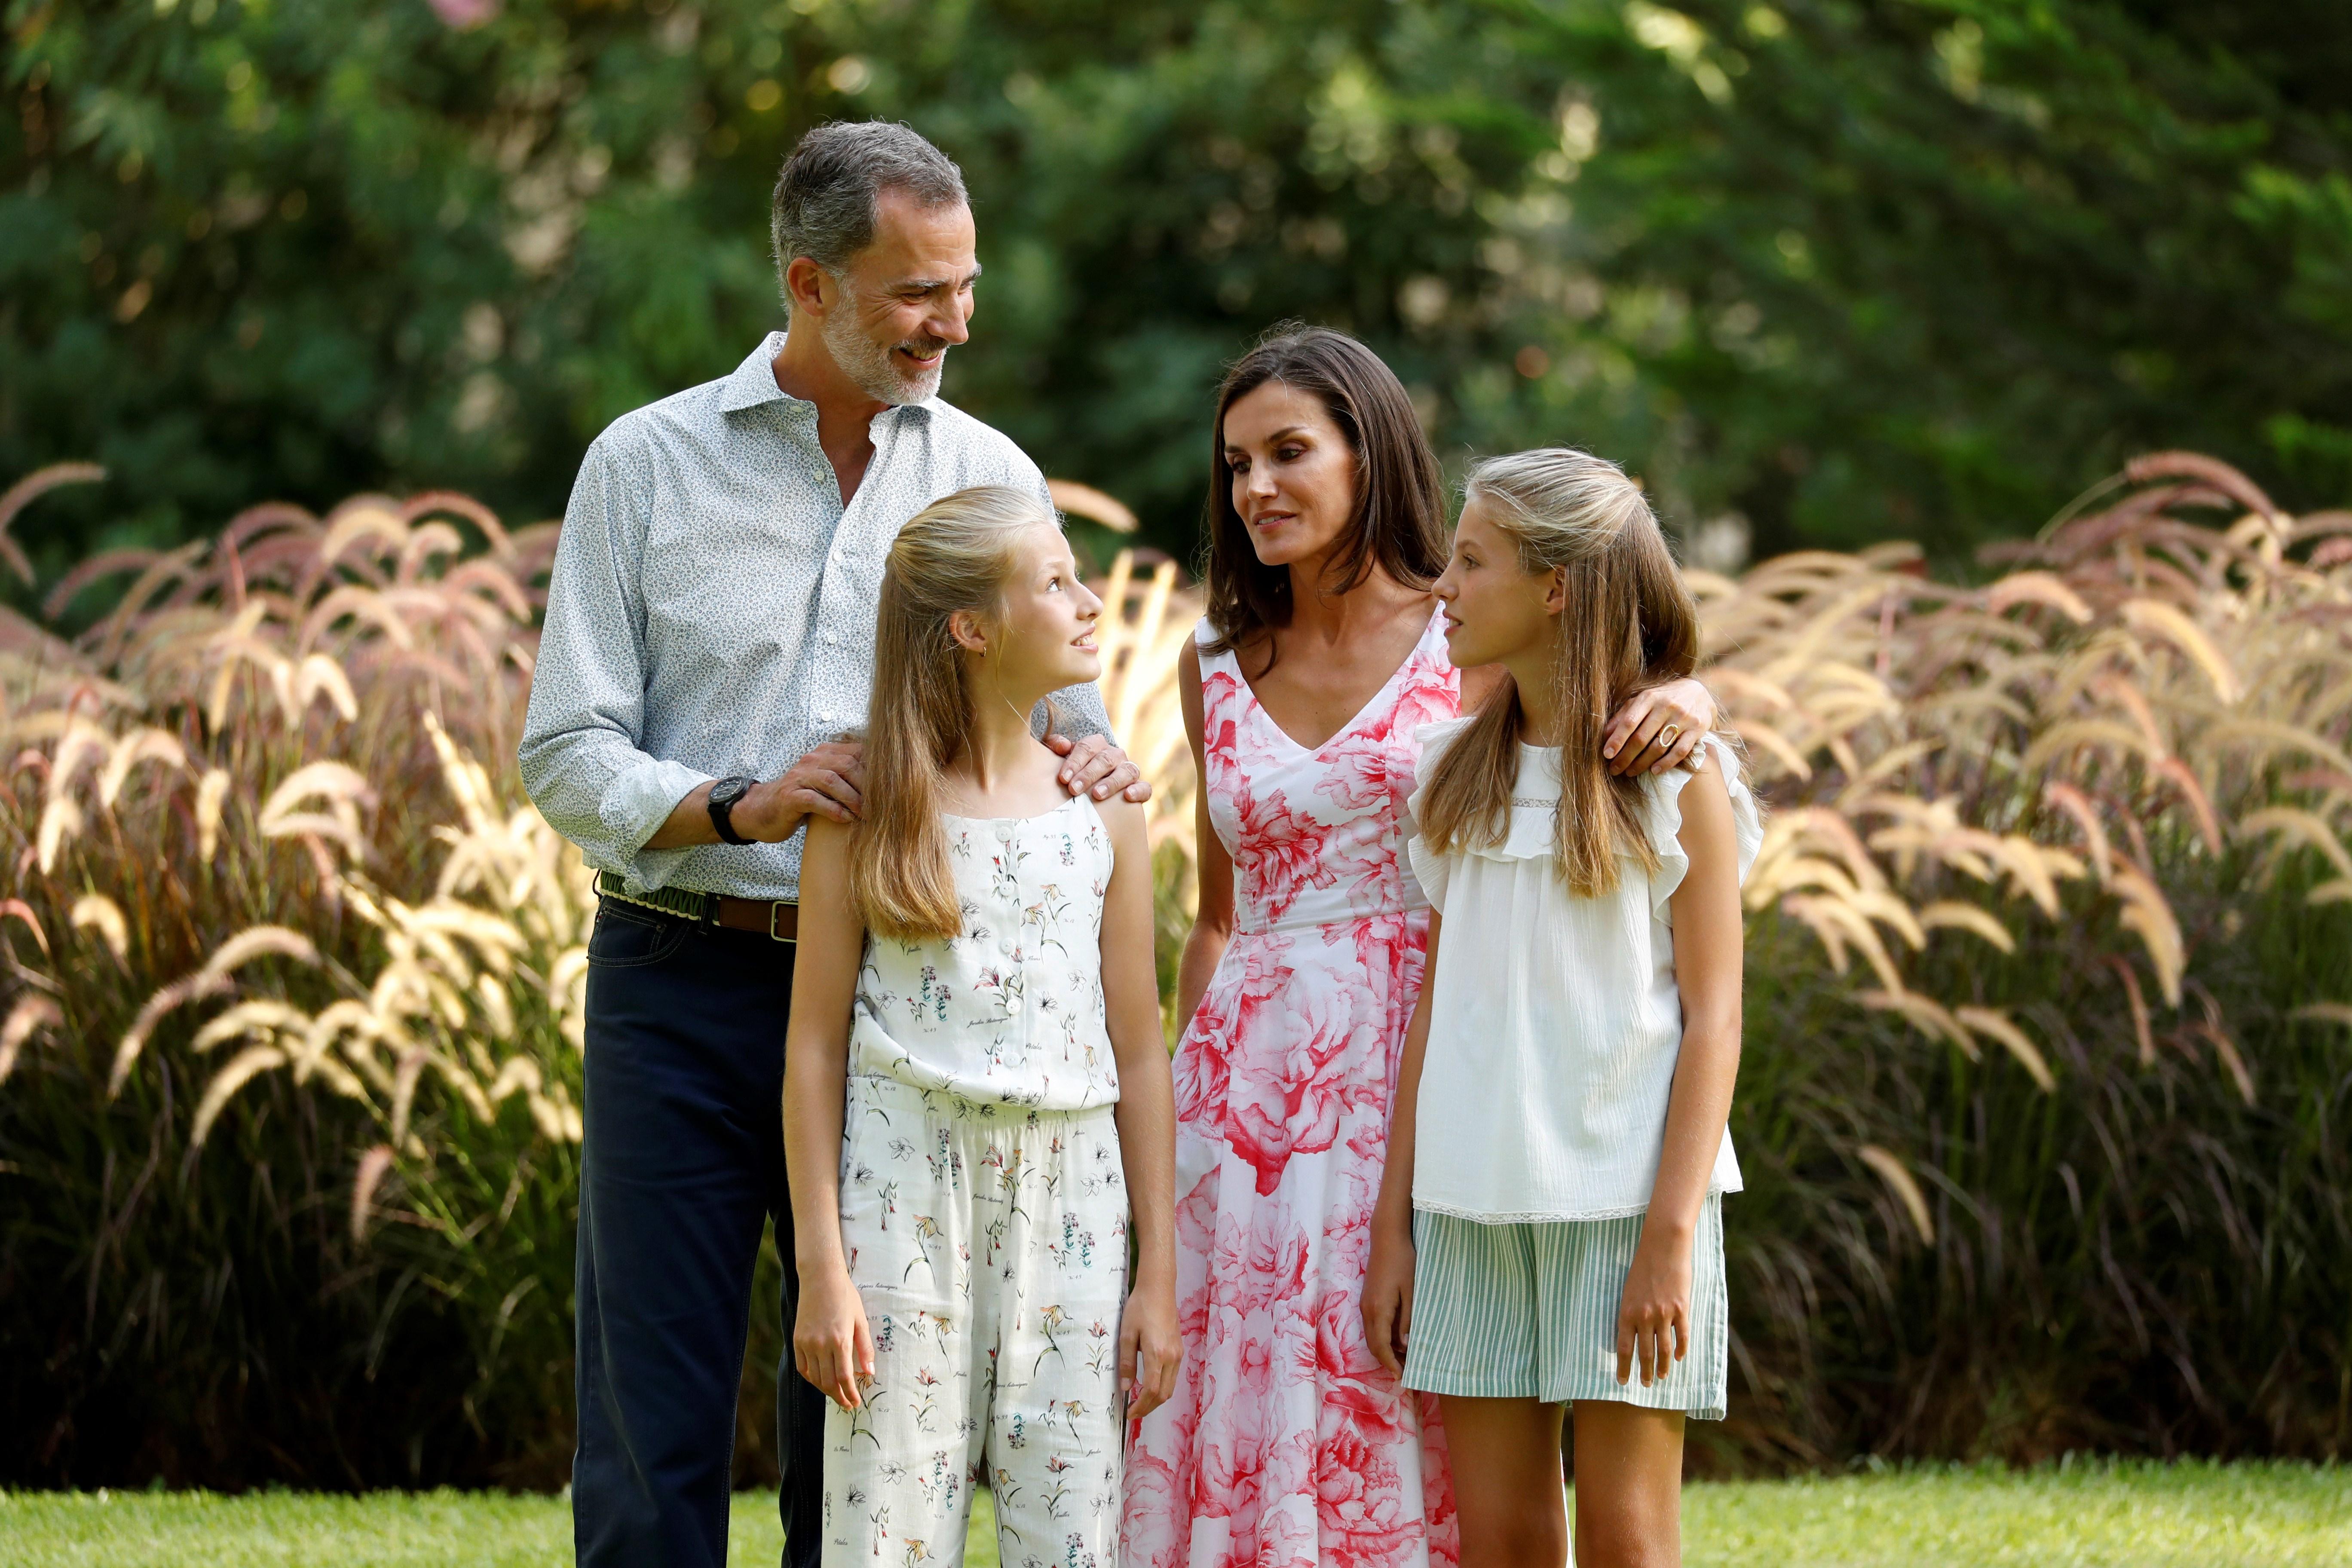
(1151, 1345)
(1212, 918)
(1388, 1277)
(1709, 942)
(832, 1343)
(1709, 957)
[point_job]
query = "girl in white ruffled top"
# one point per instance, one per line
(1549, 1236)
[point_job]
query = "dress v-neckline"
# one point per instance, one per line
(1350, 727)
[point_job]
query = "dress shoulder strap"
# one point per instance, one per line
(1431, 651)
(1203, 636)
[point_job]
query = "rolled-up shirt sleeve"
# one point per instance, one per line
(580, 755)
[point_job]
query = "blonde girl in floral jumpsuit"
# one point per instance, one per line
(978, 1116)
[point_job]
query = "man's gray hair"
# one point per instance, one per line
(825, 193)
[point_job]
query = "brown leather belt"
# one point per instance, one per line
(776, 919)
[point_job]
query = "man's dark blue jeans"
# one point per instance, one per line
(683, 1162)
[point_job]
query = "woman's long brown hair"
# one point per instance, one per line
(955, 555)
(1629, 625)
(1398, 521)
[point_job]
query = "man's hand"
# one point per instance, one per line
(1659, 729)
(829, 782)
(1093, 766)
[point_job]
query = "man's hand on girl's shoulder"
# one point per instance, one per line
(829, 782)
(1092, 766)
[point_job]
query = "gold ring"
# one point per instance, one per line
(1666, 736)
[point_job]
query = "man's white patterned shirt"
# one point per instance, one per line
(712, 612)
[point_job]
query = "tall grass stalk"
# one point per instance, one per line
(2050, 1153)
(2047, 1048)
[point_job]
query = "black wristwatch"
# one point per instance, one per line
(723, 796)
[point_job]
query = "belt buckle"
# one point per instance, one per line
(774, 905)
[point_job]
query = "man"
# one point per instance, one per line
(708, 652)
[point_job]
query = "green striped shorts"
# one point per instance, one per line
(1529, 1311)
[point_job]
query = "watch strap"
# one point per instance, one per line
(722, 804)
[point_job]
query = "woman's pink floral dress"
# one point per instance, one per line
(1286, 1445)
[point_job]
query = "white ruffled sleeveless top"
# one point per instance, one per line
(1555, 1021)
(1011, 1012)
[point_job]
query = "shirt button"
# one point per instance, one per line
(1006, 948)
(1013, 1006)
(1005, 832)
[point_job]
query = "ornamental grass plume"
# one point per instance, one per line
(2047, 1001)
(1145, 625)
(285, 944)
(289, 968)
(286, 639)
(2140, 689)
(2046, 1077)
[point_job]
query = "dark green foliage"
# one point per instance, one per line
(1846, 267)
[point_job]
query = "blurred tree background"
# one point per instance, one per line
(1824, 270)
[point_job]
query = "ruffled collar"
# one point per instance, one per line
(1536, 794)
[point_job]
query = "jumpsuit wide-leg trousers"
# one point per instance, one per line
(989, 1243)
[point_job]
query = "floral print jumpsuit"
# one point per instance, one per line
(983, 1215)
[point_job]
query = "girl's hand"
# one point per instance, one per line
(832, 1345)
(1388, 1295)
(1656, 1305)
(1150, 1348)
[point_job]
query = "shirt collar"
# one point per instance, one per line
(753, 384)
(754, 381)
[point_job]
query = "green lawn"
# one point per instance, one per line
(2083, 1516)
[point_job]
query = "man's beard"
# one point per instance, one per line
(877, 374)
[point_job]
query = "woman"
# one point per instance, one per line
(1323, 651)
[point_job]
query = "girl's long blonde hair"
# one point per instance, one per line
(1630, 624)
(956, 555)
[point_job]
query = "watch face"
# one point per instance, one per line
(727, 792)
